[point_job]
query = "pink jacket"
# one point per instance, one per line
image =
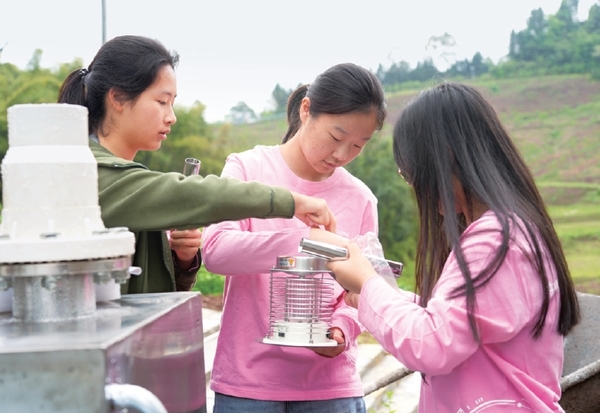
(509, 371)
(245, 251)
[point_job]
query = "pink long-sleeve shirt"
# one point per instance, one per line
(509, 371)
(245, 252)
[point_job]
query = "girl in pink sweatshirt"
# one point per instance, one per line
(331, 121)
(495, 295)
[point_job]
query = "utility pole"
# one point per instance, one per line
(103, 21)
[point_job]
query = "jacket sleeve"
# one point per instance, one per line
(185, 279)
(144, 200)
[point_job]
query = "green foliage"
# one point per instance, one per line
(387, 403)
(578, 227)
(34, 85)
(376, 167)
(246, 136)
(401, 73)
(475, 67)
(592, 24)
(553, 44)
(398, 220)
(242, 113)
(592, 197)
(208, 283)
(192, 137)
(35, 89)
(280, 97)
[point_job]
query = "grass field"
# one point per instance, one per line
(578, 227)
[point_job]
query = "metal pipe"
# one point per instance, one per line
(130, 396)
(333, 252)
(580, 375)
(103, 21)
(191, 166)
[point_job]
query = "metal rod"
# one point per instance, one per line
(331, 252)
(191, 166)
(103, 21)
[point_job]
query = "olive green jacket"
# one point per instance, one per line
(149, 202)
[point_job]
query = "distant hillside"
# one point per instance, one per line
(554, 120)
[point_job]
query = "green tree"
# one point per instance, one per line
(397, 209)
(242, 113)
(475, 67)
(592, 28)
(34, 85)
(34, 63)
(567, 14)
(190, 136)
(425, 71)
(280, 97)
(528, 45)
(397, 73)
(592, 24)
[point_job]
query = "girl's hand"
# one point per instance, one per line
(321, 235)
(330, 352)
(352, 299)
(186, 244)
(313, 211)
(354, 271)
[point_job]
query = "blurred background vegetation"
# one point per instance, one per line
(547, 92)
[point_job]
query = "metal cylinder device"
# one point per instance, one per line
(301, 303)
(53, 244)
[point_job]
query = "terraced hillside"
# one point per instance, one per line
(554, 120)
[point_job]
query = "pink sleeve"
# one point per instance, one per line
(432, 340)
(226, 245)
(346, 318)
(436, 339)
(228, 249)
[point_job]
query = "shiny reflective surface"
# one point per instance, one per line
(151, 340)
(52, 298)
(49, 292)
(301, 302)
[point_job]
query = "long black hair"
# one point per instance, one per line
(129, 64)
(451, 132)
(343, 88)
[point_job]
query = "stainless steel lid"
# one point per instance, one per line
(300, 265)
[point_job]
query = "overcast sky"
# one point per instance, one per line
(232, 51)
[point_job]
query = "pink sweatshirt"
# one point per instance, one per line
(510, 371)
(245, 251)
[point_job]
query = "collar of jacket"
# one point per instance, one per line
(106, 158)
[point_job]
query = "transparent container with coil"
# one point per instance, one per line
(301, 303)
